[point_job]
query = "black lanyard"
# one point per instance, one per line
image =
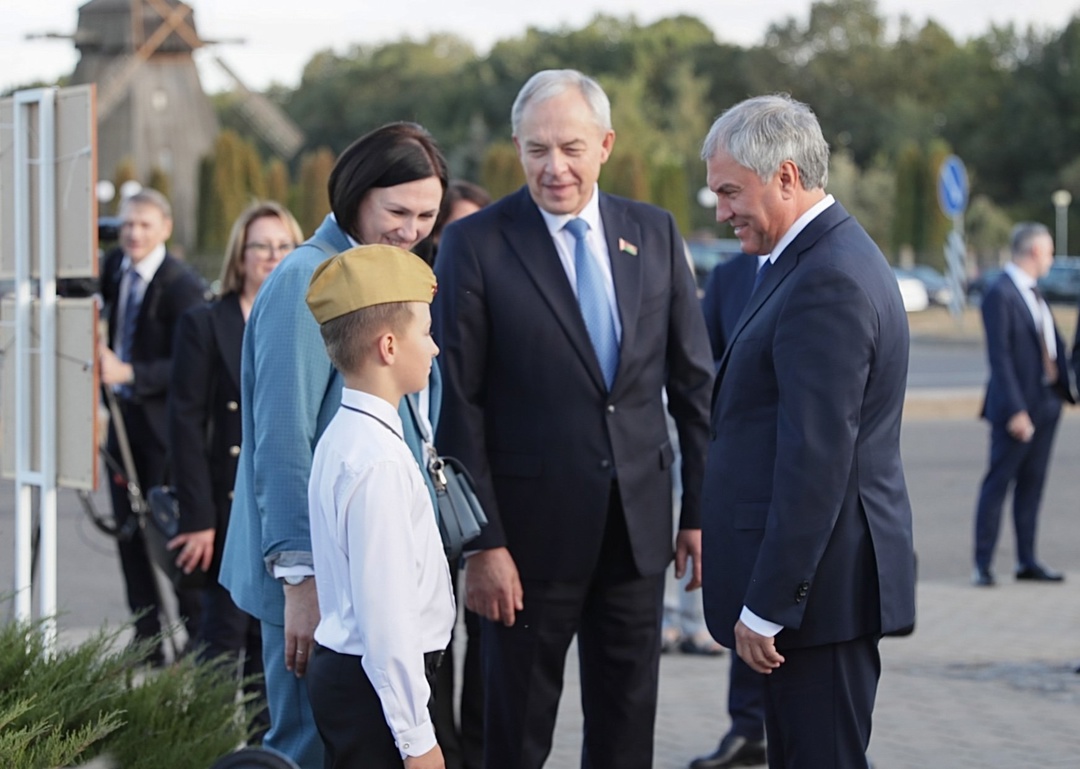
(369, 414)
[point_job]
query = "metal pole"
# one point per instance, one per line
(47, 564)
(1061, 200)
(23, 501)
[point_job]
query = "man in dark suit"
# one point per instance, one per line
(806, 521)
(1029, 377)
(562, 313)
(145, 290)
(726, 293)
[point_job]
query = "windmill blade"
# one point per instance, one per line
(113, 85)
(267, 119)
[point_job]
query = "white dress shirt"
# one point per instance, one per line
(1039, 309)
(565, 245)
(383, 580)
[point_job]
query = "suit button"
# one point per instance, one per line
(234, 451)
(802, 591)
(611, 408)
(232, 405)
(605, 464)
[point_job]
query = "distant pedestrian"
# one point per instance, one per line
(1029, 378)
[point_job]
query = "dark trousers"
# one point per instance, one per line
(349, 714)
(616, 616)
(819, 703)
(461, 739)
(746, 700)
(227, 633)
(139, 579)
(1023, 466)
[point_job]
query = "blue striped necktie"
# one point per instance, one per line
(130, 320)
(593, 301)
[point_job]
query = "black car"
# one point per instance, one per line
(1062, 282)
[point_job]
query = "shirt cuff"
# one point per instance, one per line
(758, 624)
(293, 571)
(416, 741)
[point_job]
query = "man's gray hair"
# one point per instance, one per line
(549, 83)
(762, 132)
(1024, 235)
(148, 196)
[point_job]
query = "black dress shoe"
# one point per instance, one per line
(983, 578)
(733, 751)
(1039, 573)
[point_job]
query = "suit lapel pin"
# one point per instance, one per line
(627, 247)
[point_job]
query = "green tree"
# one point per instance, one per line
(312, 202)
(123, 173)
(159, 180)
(501, 171)
(669, 191)
(625, 174)
(277, 181)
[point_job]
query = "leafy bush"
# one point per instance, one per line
(99, 699)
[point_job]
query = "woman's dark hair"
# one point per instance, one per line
(393, 154)
(459, 190)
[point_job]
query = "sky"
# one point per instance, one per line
(282, 36)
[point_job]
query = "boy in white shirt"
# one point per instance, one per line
(384, 587)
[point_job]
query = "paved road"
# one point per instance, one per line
(986, 680)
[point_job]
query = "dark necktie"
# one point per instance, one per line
(593, 301)
(760, 276)
(129, 322)
(1050, 367)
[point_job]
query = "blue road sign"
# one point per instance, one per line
(952, 187)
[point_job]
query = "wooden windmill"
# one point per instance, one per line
(151, 105)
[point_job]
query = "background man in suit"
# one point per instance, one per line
(726, 293)
(1029, 377)
(145, 290)
(555, 348)
(806, 521)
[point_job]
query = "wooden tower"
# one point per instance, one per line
(151, 105)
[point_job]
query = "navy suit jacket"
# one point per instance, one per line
(726, 293)
(524, 401)
(805, 510)
(174, 289)
(1014, 350)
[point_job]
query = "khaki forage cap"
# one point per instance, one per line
(366, 276)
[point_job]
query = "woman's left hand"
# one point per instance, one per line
(196, 550)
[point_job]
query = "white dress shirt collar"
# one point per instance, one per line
(148, 266)
(375, 406)
(800, 224)
(591, 214)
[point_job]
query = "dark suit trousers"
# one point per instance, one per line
(819, 703)
(225, 633)
(139, 578)
(746, 700)
(349, 713)
(616, 615)
(1025, 465)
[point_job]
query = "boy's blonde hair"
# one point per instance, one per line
(349, 337)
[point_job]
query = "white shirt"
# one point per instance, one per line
(566, 244)
(1040, 311)
(383, 580)
(760, 625)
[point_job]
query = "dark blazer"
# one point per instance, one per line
(1014, 351)
(726, 293)
(806, 514)
(204, 416)
(524, 401)
(174, 289)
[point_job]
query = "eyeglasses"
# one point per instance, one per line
(266, 250)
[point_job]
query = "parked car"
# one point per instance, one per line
(1062, 282)
(912, 291)
(937, 285)
(977, 286)
(709, 253)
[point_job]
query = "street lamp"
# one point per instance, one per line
(1061, 200)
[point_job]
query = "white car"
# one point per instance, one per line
(913, 292)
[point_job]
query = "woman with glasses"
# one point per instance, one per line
(204, 428)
